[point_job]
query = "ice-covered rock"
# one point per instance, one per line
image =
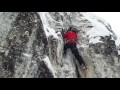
(31, 46)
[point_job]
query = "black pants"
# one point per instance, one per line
(74, 50)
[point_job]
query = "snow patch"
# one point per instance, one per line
(47, 61)
(117, 41)
(27, 55)
(118, 52)
(48, 30)
(98, 30)
(95, 40)
(92, 17)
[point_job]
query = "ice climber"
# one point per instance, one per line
(71, 42)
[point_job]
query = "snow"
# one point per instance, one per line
(118, 44)
(48, 30)
(117, 41)
(98, 23)
(47, 61)
(68, 65)
(27, 55)
(113, 18)
(95, 40)
(99, 29)
(118, 52)
(92, 17)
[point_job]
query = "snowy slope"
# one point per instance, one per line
(99, 28)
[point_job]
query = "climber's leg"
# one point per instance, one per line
(77, 55)
(65, 49)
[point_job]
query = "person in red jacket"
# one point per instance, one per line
(71, 42)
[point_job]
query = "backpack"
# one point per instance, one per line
(74, 29)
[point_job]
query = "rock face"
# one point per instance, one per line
(24, 48)
(31, 46)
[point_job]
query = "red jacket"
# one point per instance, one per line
(71, 37)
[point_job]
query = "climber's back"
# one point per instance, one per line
(71, 36)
